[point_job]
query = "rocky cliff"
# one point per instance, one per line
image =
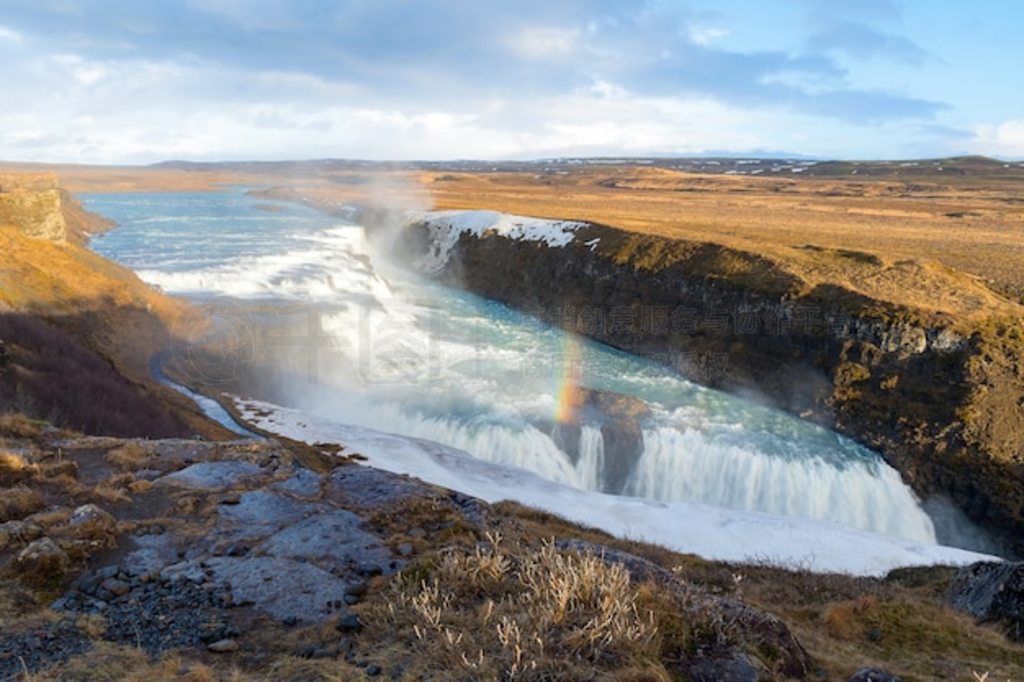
(33, 203)
(833, 336)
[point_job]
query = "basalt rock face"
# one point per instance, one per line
(992, 592)
(941, 400)
(33, 203)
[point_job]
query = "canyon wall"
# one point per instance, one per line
(940, 395)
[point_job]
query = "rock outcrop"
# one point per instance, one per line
(938, 394)
(992, 592)
(33, 203)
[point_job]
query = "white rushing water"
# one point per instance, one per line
(396, 354)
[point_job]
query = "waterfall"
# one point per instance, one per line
(405, 356)
(864, 493)
(590, 465)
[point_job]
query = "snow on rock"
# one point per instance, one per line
(445, 228)
(710, 532)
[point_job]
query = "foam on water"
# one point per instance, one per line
(412, 358)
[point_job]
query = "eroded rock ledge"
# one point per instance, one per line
(908, 357)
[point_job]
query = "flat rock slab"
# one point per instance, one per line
(303, 483)
(284, 589)
(371, 489)
(152, 553)
(332, 539)
(263, 511)
(211, 475)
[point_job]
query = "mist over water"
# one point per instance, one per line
(399, 354)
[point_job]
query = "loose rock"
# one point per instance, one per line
(350, 623)
(223, 646)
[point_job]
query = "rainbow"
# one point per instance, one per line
(565, 391)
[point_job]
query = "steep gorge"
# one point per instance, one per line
(908, 357)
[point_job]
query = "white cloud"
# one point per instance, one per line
(1003, 139)
(75, 109)
(705, 35)
(9, 36)
(543, 42)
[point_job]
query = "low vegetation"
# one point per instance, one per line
(46, 362)
(521, 612)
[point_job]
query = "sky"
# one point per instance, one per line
(124, 81)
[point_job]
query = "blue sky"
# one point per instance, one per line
(135, 82)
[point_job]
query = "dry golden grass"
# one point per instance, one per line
(918, 636)
(129, 179)
(14, 468)
(18, 502)
(960, 244)
(103, 306)
(14, 425)
(505, 612)
(874, 243)
(972, 226)
(976, 229)
(127, 457)
(106, 662)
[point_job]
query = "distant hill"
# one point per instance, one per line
(961, 166)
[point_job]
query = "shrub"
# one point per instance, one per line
(17, 503)
(14, 425)
(14, 469)
(495, 613)
(127, 457)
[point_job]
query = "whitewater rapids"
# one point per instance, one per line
(408, 357)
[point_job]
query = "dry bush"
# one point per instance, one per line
(14, 425)
(113, 490)
(17, 503)
(17, 602)
(848, 619)
(58, 468)
(51, 518)
(513, 614)
(127, 457)
(140, 486)
(14, 468)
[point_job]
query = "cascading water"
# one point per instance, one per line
(406, 356)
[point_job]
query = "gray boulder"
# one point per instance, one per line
(992, 591)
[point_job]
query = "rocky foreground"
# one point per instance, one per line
(181, 559)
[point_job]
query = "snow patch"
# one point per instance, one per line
(446, 227)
